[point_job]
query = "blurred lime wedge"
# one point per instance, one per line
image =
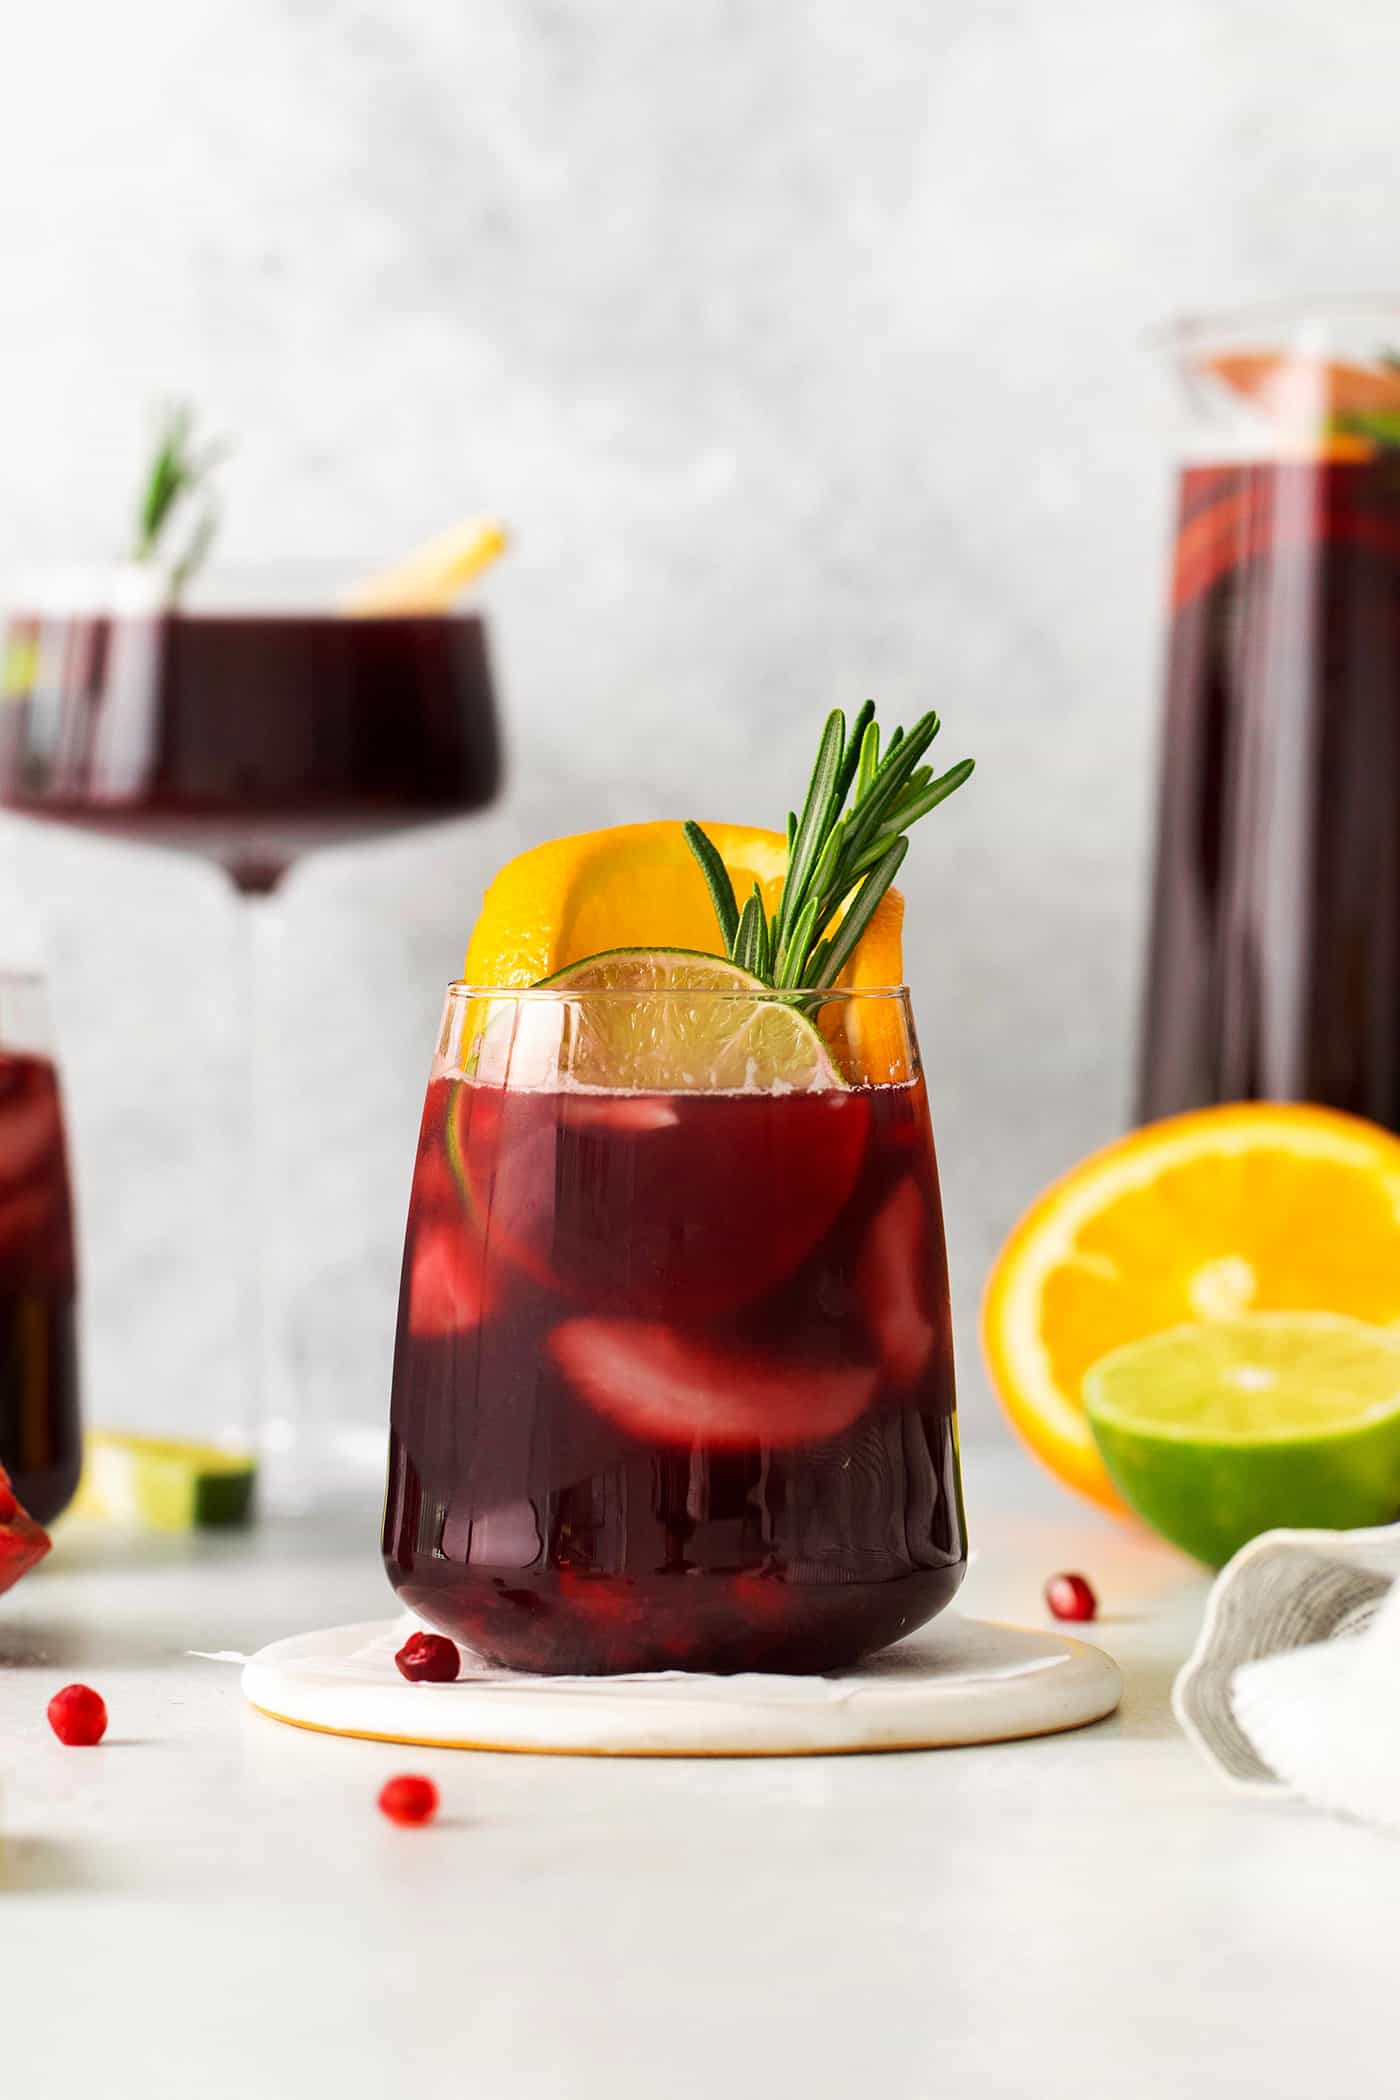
(163, 1484)
(1217, 1432)
(712, 1027)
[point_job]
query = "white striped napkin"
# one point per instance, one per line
(1295, 1681)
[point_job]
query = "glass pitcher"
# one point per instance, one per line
(1274, 957)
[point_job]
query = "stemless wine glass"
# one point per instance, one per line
(40, 1445)
(258, 724)
(673, 1385)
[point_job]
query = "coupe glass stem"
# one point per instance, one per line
(308, 1454)
(256, 938)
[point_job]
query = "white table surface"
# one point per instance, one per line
(211, 1905)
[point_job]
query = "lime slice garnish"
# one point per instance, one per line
(732, 1035)
(1217, 1432)
(162, 1483)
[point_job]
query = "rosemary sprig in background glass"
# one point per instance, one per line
(837, 857)
(178, 473)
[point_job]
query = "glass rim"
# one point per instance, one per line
(267, 593)
(1185, 330)
(546, 994)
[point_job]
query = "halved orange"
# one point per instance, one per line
(1255, 1207)
(639, 886)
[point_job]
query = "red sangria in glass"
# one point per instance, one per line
(673, 1384)
(40, 1443)
(250, 735)
(254, 725)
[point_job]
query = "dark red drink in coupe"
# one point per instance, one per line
(39, 1433)
(674, 1384)
(1275, 960)
(248, 738)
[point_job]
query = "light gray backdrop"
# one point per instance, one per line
(803, 345)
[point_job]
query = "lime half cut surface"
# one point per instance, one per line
(1214, 1433)
(657, 1020)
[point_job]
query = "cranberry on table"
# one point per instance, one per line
(429, 1658)
(409, 1798)
(78, 1716)
(1071, 1597)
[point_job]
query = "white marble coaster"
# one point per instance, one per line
(956, 1681)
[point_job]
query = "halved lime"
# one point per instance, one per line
(711, 1027)
(162, 1483)
(1214, 1433)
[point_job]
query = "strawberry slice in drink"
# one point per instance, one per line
(446, 1279)
(31, 1118)
(668, 1388)
(627, 1115)
(22, 1541)
(895, 1282)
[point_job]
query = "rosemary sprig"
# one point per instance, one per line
(841, 860)
(179, 472)
(1380, 426)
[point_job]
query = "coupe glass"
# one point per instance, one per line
(40, 1445)
(255, 727)
(1274, 965)
(673, 1384)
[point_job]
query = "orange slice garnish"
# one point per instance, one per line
(640, 886)
(1309, 400)
(433, 577)
(1282, 383)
